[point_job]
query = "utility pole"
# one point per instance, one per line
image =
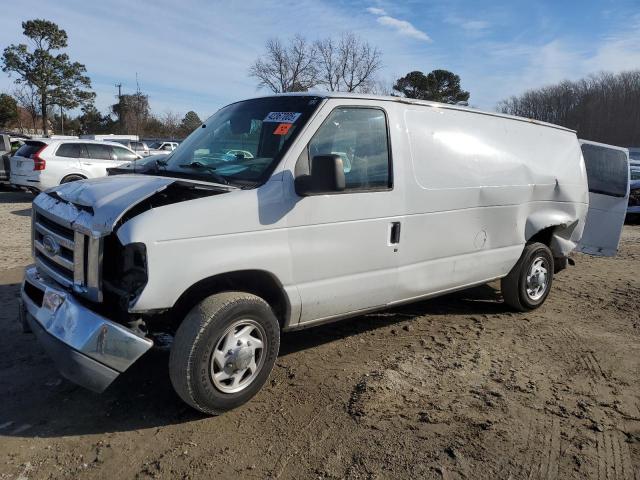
(61, 121)
(137, 107)
(119, 111)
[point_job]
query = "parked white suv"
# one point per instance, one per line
(156, 148)
(289, 211)
(44, 163)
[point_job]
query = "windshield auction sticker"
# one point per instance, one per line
(282, 129)
(281, 117)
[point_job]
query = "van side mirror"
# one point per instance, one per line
(327, 176)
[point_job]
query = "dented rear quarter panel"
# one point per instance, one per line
(478, 187)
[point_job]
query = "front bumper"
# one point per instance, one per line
(87, 348)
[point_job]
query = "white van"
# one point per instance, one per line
(289, 211)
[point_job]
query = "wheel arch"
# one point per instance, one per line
(257, 282)
(554, 229)
(68, 175)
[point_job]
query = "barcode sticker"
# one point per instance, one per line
(281, 117)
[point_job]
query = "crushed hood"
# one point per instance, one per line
(95, 206)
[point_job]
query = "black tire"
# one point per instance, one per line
(514, 286)
(72, 178)
(192, 352)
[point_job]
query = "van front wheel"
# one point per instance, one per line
(223, 351)
(527, 285)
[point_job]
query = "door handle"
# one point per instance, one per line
(394, 233)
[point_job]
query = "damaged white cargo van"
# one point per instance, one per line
(288, 211)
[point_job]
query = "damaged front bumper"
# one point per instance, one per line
(87, 348)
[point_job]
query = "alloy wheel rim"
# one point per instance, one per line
(537, 279)
(238, 356)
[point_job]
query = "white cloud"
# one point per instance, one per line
(400, 26)
(403, 28)
(475, 25)
(472, 26)
(376, 11)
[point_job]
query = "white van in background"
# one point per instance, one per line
(289, 211)
(43, 163)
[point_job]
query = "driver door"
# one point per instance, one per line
(343, 250)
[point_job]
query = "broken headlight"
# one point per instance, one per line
(125, 270)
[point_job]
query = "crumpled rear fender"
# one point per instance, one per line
(566, 229)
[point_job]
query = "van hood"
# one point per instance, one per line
(96, 206)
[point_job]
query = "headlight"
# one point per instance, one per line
(134, 269)
(124, 270)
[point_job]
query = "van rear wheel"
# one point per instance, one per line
(527, 285)
(223, 351)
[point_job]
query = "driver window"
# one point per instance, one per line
(359, 136)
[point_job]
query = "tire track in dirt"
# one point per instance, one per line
(543, 446)
(593, 366)
(614, 457)
(582, 359)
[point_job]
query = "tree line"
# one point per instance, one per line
(604, 107)
(49, 85)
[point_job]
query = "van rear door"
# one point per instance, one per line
(608, 177)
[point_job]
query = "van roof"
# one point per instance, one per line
(412, 101)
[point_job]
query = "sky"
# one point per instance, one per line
(195, 55)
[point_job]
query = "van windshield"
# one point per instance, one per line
(242, 143)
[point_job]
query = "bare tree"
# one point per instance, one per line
(27, 97)
(603, 107)
(358, 62)
(378, 87)
(171, 123)
(288, 68)
(329, 64)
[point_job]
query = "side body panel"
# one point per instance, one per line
(477, 188)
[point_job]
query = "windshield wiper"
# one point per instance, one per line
(161, 163)
(201, 166)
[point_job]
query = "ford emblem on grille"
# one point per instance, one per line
(50, 245)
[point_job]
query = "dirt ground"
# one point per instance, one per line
(456, 387)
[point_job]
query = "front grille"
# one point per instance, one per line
(71, 258)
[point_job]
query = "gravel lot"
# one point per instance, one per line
(456, 387)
